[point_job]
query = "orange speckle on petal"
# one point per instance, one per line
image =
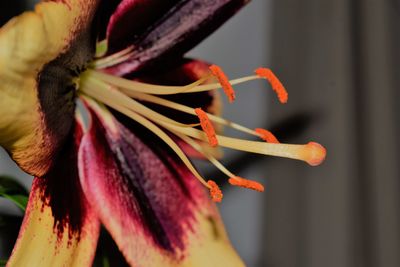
(215, 191)
(277, 86)
(207, 127)
(224, 81)
(267, 136)
(238, 181)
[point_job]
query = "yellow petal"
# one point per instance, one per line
(59, 228)
(212, 248)
(27, 43)
(41, 244)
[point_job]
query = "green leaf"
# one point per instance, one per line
(13, 191)
(19, 200)
(3, 263)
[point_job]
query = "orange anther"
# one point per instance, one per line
(238, 181)
(267, 136)
(207, 127)
(224, 81)
(215, 192)
(277, 86)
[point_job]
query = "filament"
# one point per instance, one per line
(129, 97)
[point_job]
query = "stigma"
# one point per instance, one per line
(128, 97)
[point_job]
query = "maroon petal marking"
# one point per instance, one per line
(132, 18)
(180, 29)
(61, 188)
(59, 215)
(146, 201)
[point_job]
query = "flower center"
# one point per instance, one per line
(127, 97)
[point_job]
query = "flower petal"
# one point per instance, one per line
(59, 228)
(181, 28)
(132, 18)
(39, 52)
(155, 210)
(103, 15)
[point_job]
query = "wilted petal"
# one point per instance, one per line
(154, 208)
(181, 28)
(59, 228)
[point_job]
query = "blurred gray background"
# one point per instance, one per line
(340, 62)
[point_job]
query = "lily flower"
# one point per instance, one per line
(149, 111)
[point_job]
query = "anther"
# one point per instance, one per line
(267, 136)
(238, 181)
(207, 127)
(224, 81)
(276, 85)
(215, 191)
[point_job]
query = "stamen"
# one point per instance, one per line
(206, 154)
(135, 105)
(213, 86)
(91, 90)
(312, 153)
(207, 127)
(136, 86)
(188, 110)
(277, 86)
(234, 180)
(267, 136)
(126, 96)
(113, 59)
(249, 184)
(215, 191)
(224, 81)
(197, 86)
